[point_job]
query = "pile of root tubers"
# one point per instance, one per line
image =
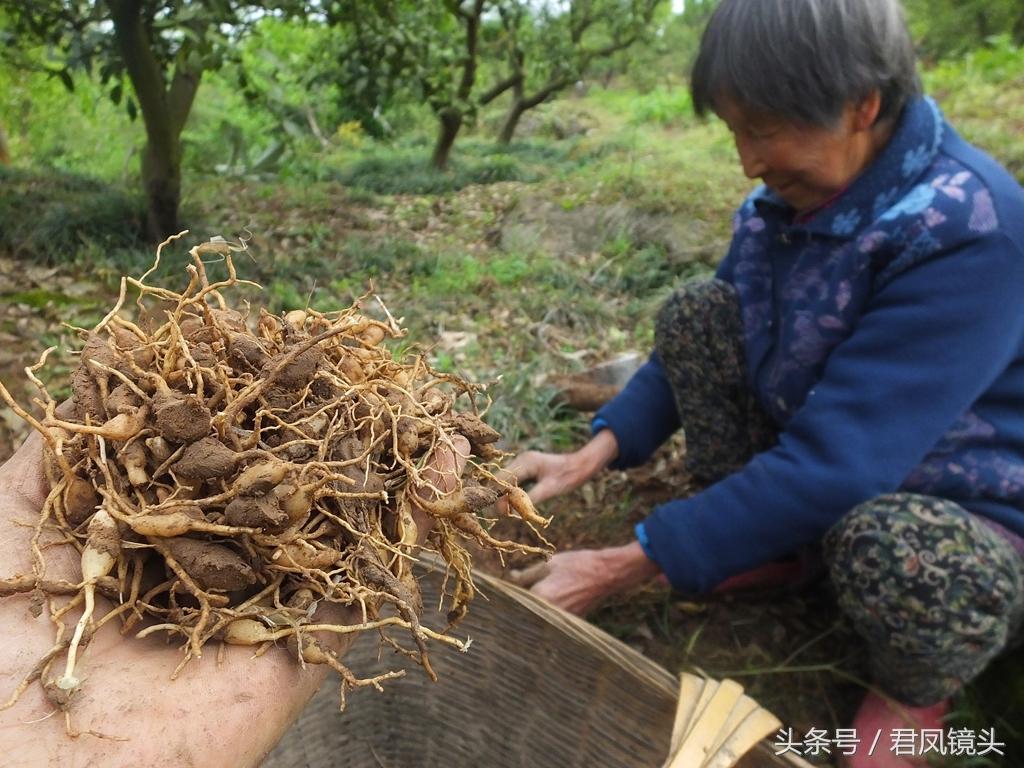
(223, 472)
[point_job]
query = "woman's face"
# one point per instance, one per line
(805, 165)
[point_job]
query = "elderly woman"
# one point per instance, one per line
(854, 373)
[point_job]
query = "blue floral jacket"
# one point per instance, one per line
(885, 337)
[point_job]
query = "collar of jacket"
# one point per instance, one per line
(910, 151)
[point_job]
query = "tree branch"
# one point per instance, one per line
(142, 67)
(540, 96)
(587, 56)
(181, 94)
(499, 88)
(472, 37)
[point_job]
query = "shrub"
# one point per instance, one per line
(663, 106)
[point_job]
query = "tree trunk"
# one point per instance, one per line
(508, 128)
(981, 20)
(161, 179)
(165, 111)
(522, 103)
(451, 121)
(449, 114)
(5, 153)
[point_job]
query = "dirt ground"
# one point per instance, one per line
(34, 300)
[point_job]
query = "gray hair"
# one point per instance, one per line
(804, 60)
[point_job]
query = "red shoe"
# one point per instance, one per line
(769, 576)
(874, 724)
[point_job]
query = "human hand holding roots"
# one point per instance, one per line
(221, 483)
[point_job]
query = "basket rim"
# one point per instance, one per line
(614, 650)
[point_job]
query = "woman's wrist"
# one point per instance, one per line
(597, 454)
(628, 566)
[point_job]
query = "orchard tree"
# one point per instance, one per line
(667, 54)
(944, 28)
(449, 88)
(160, 50)
(551, 45)
(430, 47)
(374, 57)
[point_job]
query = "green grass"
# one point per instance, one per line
(983, 96)
(53, 216)
(38, 298)
(995, 701)
(408, 172)
(664, 105)
(404, 169)
(687, 169)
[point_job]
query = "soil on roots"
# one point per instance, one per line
(222, 471)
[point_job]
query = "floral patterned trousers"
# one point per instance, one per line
(935, 591)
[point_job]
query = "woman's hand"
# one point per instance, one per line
(440, 477)
(557, 473)
(128, 709)
(578, 581)
(204, 717)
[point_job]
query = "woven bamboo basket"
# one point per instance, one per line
(538, 688)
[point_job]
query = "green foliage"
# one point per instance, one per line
(39, 298)
(79, 132)
(663, 105)
(431, 276)
(395, 48)
(409, 173)
(525, 413)
(51, 216)
(180, 36)
(391, 170)
(386, 49)
(282, 296)
(282, 66)
(549, 47)
(637, 269)
(364, 259)
(279, 102)
(995, 701)
(667, 56)
(156, 50)
(948, 28)
(532, 308)
(982, 93)
(227, 136)
(694, 172)
(999, 61)
(254, 116)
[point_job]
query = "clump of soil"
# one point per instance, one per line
(222, 473)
